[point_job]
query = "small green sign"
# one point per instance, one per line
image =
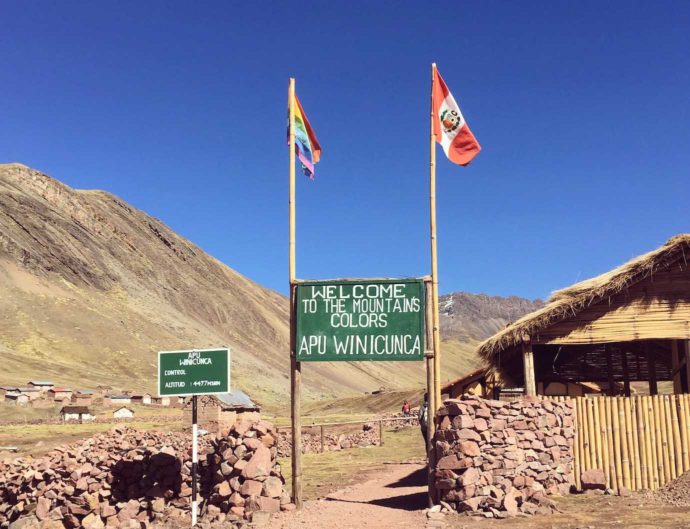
(367, 319)
(193, 372)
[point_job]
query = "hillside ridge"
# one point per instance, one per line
(93, 287)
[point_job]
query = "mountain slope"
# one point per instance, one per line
(91, 288)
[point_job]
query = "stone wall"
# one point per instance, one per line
(124, 479)
(503, 458)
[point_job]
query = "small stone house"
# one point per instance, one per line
(160, 401)
(5, 390)
(59, 394)
(42, 385)
(142, 399)
(31, 392)
(118, 400)
(82, 398)
(123, 413)
(17, 399)
(216, 413)
(76, 414)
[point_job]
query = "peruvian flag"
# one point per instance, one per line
(450, 128)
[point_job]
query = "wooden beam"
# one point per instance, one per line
(651, 363)
(675, 368)
(528, 364)
(626, 372)
(609, 367)
(686, 349)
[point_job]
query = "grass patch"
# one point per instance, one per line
(323, 473)
(40, 438)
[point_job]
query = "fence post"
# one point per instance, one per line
(322, 440)
(381, 432)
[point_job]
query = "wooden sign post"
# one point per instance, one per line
(358, 320)
(190, 373)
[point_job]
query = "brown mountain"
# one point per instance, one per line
(91, 288)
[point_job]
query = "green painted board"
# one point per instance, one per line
(193, 372)
(362, 319)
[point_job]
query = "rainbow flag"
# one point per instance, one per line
(306, 145)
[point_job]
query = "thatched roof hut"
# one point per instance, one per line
(629, 324)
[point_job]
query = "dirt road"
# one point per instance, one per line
(393, 500)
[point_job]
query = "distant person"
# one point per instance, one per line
(423, 417)
(406, 408)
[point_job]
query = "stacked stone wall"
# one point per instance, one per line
(503, 458)
(127, 478)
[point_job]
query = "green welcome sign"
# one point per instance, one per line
(193, 372)
(352, 320)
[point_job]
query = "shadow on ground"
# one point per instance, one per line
(408, 502)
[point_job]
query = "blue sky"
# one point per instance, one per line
(582, 109)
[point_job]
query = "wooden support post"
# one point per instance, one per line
(686, 349)
(381, 432)
(295, 367)
(609, 441)
(323, 442)
(598, 436)
(609, 368)
(677, 438)
(626, 372)
(528, 364)
(431, 393)
(617, 442)
(675, 367)
(625, 449)
(576, 448)
(641, 443)
(669, 435)
(434, 250)
(651, 365)
(682, 412)
(665, 460)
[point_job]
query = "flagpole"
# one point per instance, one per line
(434, 255)
(295, 368)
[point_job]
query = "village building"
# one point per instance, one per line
(4, 390)
(43, 385)
(216, 413)
(76, 414)
(32, 393)
(59, 394)
(479, 383)
(160, 401)
(141, 399)
(82, 397)
(123, 413)
(627, 325)
(118, 400)
(17, 399)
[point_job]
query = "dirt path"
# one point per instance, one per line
(393, 500)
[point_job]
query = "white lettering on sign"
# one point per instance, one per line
(174, 384)
(390, 345)
(195, 359)
(174, 372)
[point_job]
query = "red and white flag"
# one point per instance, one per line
(450, 128)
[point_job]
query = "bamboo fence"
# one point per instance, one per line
(638, 442)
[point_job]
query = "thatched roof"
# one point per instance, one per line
(568, 302)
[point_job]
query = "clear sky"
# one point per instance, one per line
(582, 109)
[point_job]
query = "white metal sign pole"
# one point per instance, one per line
(195, 459)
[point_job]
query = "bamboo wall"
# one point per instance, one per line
(639, 442)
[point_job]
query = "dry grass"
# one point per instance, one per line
(40, 438)
(323, 473)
